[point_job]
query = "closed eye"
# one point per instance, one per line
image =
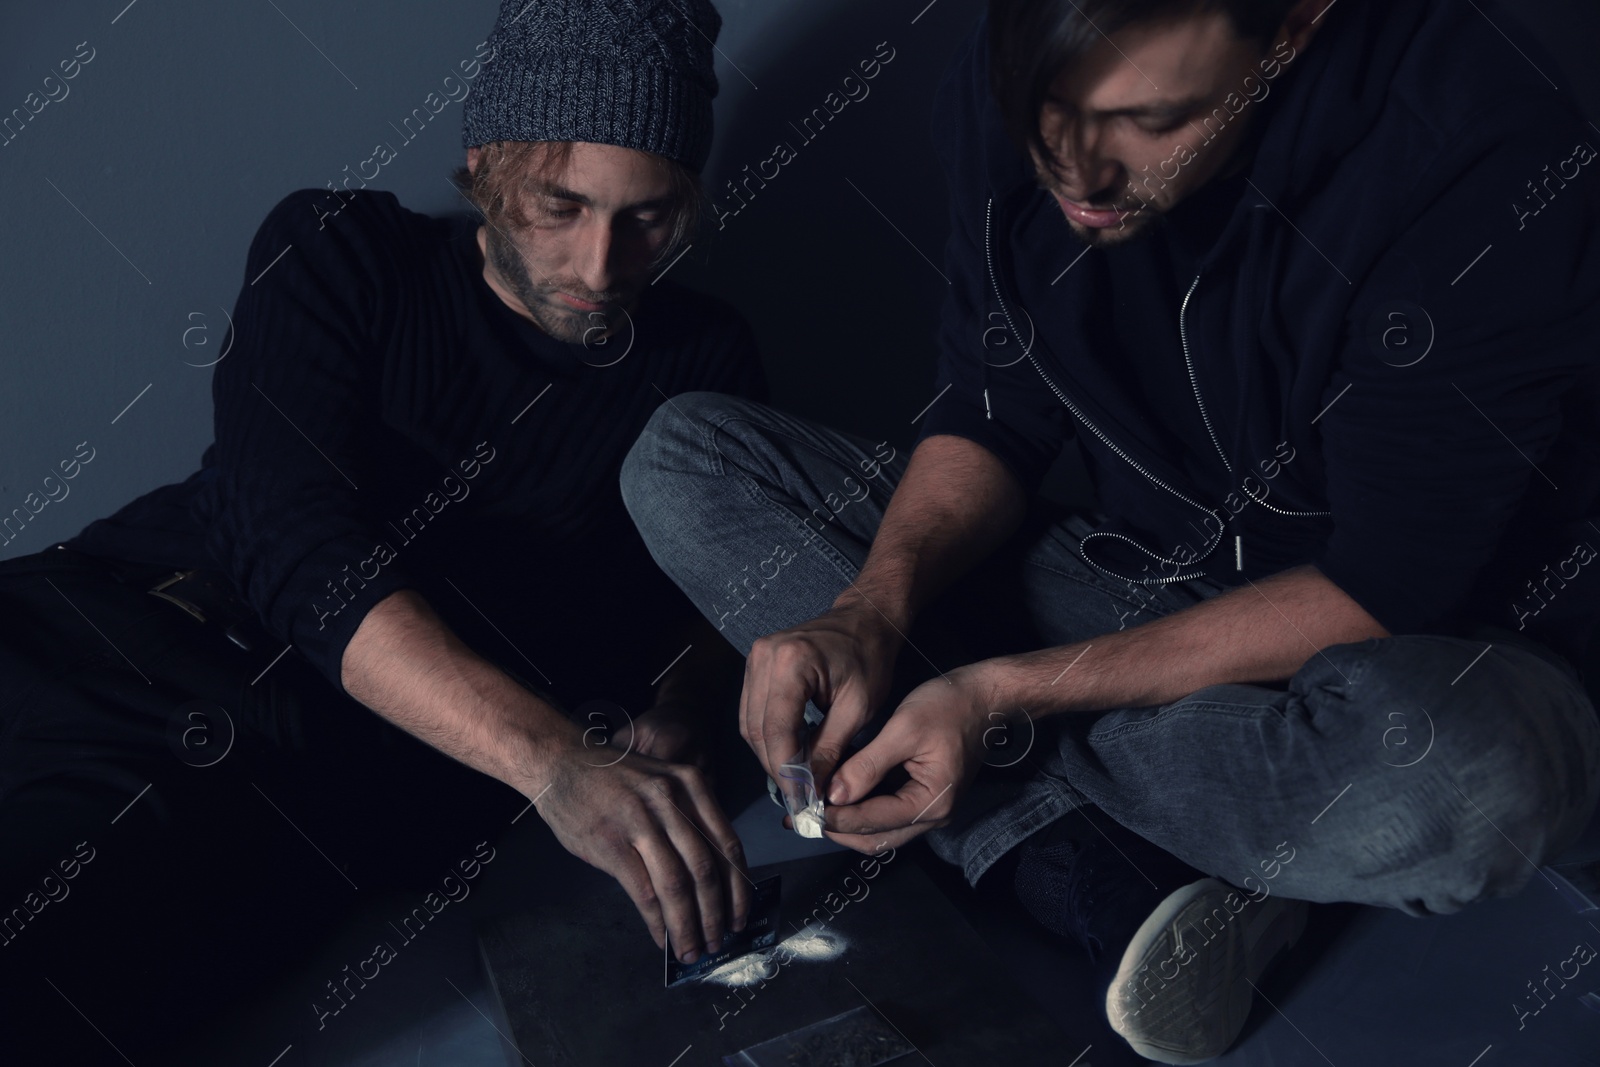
(1164, 126)
(558, 209)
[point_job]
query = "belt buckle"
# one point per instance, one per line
(161, 587)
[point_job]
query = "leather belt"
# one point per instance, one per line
(208, 597)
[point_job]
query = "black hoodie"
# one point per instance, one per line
(1394, 343)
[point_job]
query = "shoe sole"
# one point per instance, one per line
(1197, 1013)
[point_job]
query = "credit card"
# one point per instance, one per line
(760, 931)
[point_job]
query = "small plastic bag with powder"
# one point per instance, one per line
(801, 800)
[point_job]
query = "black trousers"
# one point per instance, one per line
(168, 810)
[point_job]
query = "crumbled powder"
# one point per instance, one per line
(812, 944)
(743, 970)
(809, 821)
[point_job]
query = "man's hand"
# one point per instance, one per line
(672, 733)
(937, 736)
(842, 660)
(955, 504)
(656, 829)
(654, 826)
(937, 732)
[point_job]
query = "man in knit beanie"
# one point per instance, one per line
(618, 91)
(411, 508)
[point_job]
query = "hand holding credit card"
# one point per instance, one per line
(759, 933)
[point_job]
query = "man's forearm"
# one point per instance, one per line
(405, 664)
(956, 503)
(1252, 634)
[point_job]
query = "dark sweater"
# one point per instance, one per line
(374, 432)
(1390, 198)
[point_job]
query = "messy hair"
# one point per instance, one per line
(506, 169)
(1032, 41)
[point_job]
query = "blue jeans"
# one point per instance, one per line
(1419, 772)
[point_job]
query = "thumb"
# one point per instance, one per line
(859, 774)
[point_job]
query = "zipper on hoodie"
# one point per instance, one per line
(994, 284)
(1194, 383)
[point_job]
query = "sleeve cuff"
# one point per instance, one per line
(324, 603)
(1391, 602)
(948, 416)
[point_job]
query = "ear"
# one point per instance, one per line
(473, 155)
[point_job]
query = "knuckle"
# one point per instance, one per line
(792, 653)
(705, 870)
(826, 753)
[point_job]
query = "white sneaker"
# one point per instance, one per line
(1184, 987)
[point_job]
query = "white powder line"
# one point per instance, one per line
(815, 945)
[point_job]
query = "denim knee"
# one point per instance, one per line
(668, 438)
(1469, 787)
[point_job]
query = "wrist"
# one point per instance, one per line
(878, 617)
(1007, 684)
(543, 740)
(992, 683)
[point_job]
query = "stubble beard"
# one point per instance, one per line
(560, 322)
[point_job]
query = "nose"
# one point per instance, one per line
(1081, 169)
(593, 259)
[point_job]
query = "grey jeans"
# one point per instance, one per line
(1420, 772)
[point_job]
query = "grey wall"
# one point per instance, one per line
(127, 204)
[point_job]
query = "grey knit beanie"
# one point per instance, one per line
(634, 73)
